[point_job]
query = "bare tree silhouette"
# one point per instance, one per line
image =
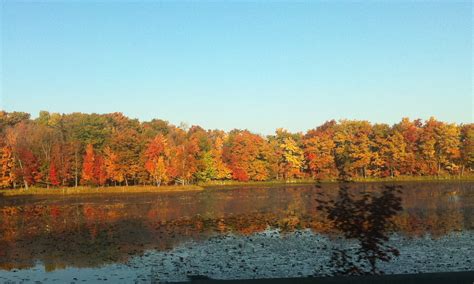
(366, 218)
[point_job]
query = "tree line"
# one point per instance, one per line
(112, 149)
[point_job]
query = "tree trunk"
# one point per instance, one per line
(24, 180)
(63, 181)
(76, 169)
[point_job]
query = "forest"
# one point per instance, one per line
(65, 150)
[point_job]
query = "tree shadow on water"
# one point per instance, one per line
(364, 217)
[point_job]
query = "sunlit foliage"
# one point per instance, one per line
(112, 149)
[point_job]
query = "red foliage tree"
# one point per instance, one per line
(99, 171)
(28, 167)
(53, 175)
(88, 165)
(247, 156)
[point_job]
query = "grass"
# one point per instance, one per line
(232, 183)
(97, 190)
(212, 184)
(417, 178)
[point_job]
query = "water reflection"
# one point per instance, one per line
(94, 231)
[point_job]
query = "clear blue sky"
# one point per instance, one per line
(255, 65)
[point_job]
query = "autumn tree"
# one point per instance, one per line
(7, 167)
(157, 159)
(51, 138)
(319, 155)
(88, 165)
(448, 147)
(183, 161)
(127, 146)
(291, 163)
(111, 166)
(439, 146)
(210, 164)
(154, 127)
(360, 152)
(411, 132)
(28, 168)
(393, 149)
(352, 147)
(246, 156)
(467, 148)
(428, 151)
(221, 170)
(378, 137)
(53, 175)
(208, 170)
(8, 120)
(290, 155)
(62, 157)
(99, 170)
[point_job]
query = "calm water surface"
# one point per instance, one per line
(139, 237)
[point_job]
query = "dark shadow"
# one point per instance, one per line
(366, 218)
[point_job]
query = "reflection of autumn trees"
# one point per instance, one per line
(436, 211)
(91, 231)
(437, 223)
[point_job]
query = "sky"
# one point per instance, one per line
(256, 65)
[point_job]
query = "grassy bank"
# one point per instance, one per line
(97, 190)
(416, 178)
(232, 183)
(213, 185)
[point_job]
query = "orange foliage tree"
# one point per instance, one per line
(157, 159)
(88, 165)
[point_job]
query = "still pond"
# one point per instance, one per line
(231, 233)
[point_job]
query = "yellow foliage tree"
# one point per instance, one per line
(291, 163)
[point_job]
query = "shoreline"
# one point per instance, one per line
(214, 184)
(211, 185)
(98, 190)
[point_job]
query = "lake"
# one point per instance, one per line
(224, 233)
